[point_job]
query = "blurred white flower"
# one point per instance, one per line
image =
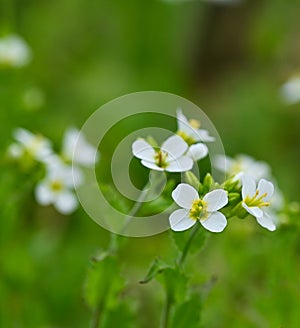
(14, 51)
(197, 151)
(170, 157)
(56, 187)
(36, 146)
(290, 91)
(193, 209)
(240, 165)
(189, 130)
(77, 149)
(257, 199)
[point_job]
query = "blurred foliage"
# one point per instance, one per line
(229, 60)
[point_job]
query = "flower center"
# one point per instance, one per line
(256, 200)
(198, 210)
(188, 139)
(56, 186)
(161, 159)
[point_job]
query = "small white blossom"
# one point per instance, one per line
(290, 91)
(36, 146)
(256, 200)
(240, 165)
(170, 157)
(195, 209)
(189, 130)
(56, 188)
(14, 51)
(77, 148)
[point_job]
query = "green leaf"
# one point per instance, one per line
(120, 316)
(175, 283)
(103, 282)
(188, 314)
(157, 266)
(181, 238)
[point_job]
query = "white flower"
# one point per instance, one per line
(56, 188)
(14, 51)
(77, 148)
(257, 199)
(196, 209)
(189, 130)
(37, 146)
(240, 165)
(170, 157)
(290, 91)
(197, 151)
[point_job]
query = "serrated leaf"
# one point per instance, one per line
(175, 283)
(103, 282)
(157, 266)
(188, 314)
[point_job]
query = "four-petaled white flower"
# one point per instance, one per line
(170, 157)
(195, 209)
(290, 91)
(77, 148)
(189, 130)
(56, 187)
(240, 165)
(256, 200)
(36, 146)
(14, 51)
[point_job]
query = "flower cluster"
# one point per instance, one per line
(57, 184)
(245, 192)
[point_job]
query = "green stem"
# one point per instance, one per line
(97, 316)
(166, 311)
(188, 244)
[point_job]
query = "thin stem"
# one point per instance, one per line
(97, 316)
(137, 205)
(187, 246)
(166, 311)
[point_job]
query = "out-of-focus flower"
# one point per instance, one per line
(56, 187)
(240, 165)
(290, 91)
(14, 51)
(170, 157)
(34, 145)
(257, 199)
(189, 130)
(196, 209)
(77, 149)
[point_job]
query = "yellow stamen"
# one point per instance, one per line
(194, 123)
(161, 159)
(56, 185)
(198, 210)
(256, 201)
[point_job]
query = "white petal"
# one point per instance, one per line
(66, 202)
(182, 121)
(249, 186)
(43, 193)
(216, 199)
(151, 166)
(184, 195)
(222, 163)
(180, 220)
(266, 222)
(181, 164)
(216, 222)
(175, 146)
(197, 151)
(267, 187)
(203, 135)
(15, 150)
(253, 210)
(142, 150)
(23, 136)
